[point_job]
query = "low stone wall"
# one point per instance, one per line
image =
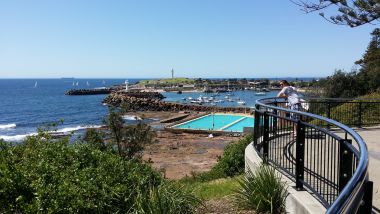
(143, 101)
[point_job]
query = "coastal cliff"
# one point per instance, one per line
(151, 102)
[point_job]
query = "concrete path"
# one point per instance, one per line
(372, 138)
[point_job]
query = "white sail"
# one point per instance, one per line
(35, 84)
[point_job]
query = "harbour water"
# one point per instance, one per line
(26, 104)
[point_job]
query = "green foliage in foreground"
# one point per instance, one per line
(262, 191)
(43, 175)
(167, 198)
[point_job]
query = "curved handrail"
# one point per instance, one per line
(346, 196)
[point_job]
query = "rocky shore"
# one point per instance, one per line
(144, 101)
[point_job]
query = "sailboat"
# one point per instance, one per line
(73, 83)
(35, 84)
(103, 82)
(87, 83)
(77, 84)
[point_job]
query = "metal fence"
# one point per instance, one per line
(351, 112)
(321, 155)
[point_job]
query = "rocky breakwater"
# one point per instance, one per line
(150, 102)
(89, 91)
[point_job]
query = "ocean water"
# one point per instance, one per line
(26, 104)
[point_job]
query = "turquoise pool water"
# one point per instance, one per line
(220, 122)
(238, 127)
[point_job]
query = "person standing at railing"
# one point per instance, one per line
(291, 95)
(292, 98)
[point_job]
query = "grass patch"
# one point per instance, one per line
(179, 80)
(212, 189)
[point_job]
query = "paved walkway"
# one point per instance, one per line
(372, 138)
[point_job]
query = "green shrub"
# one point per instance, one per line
(44, 175)
(232, 162)
(167, 198)
(95, 138)
(262, 191)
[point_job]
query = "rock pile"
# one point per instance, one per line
(88, 91)
(150, 102)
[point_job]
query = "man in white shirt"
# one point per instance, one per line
(291, 95)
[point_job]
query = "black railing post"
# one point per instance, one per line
(345, 163)
(300, 155)
(256, 127)
(266, 136)
(366, 203)
(328, 112)
(359, 116)
(274, 122)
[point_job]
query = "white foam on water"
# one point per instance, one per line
(8, 126)
(18, 138)
(131, 117)
(76, 128)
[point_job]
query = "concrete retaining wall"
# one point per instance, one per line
(297, 201)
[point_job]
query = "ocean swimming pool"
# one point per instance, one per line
(218, 122)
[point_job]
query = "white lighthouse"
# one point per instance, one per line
(126, 85)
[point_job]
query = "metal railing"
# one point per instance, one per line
(351, 112)
(319, 154)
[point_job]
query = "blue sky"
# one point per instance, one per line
(146, 39)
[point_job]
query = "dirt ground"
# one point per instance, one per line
(178, 155)
(221, 206)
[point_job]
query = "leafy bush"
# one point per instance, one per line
(45, 175)
(262, 191)
(95, 138)
(166, 198)
(232, 162)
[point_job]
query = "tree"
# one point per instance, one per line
(352, 13)
(358, 82)
(369, 74)
(116, 123)
(342, 84)
(95, 138)
(135, 137)
(130, 139)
